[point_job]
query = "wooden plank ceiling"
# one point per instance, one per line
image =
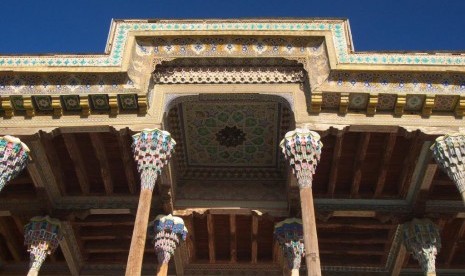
(354, 165)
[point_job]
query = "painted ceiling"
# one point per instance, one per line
(229, 137)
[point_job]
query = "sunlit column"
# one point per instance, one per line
(289, 235)
(422, 239)
(152, 150)
(302, 148)
(449, 152)
(14, 155)
(42, 236)
(168, 231)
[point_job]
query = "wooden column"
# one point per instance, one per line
(312, 255)
(162, 269)
(302, 147)
(139, 234)
(152, 150)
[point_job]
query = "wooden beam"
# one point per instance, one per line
(408, 167)
(233, 238)
(211, 238)
(189, 223)
(12, 243)
(3, 258)
(384, 166)
(69, 248)
(178, 261)
(428, 177)
(399, 262)
(334, 163)
(356, 225)
(455, 237)
(105, 170)
(388, 244)
(79, 164)
(53, 160)
(254, 239)
(359, 158)
(128, 161)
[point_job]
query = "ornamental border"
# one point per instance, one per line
(339, 30)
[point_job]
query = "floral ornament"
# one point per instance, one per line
(152, 151)
(14, 155)
(42, 236)
(302, 147)
(168, 232)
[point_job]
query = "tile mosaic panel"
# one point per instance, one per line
(414, 102)
(395, 82)
(445, 103)
(358, 101)
(331, 100)
(71, 102)
(17, 103)
(128, 101)
(43, 103)
(99, 102)
(386, 102)
(36, 84)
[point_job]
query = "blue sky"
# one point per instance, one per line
(81, 26)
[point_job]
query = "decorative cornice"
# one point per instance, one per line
(337, 31)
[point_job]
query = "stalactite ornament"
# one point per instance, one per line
(168, 232)
(289, 234)
(422, 239)
(152, 151)
(14, 155)
(449, 152)
(42, 236)
(302, 147)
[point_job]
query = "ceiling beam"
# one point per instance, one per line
(254, 239)
(79, 164)
(128, 160)
(105, 170)
(189, 223)
(12, 243)
(409, 165)
(384, 166)
(211, 238)
(351, 252)
(334, 163)
(455, 237)
(399, 262)
(178, 261)
(53, 160)
(233, 238)
(69, 247)
(419, 201)
(359, 158)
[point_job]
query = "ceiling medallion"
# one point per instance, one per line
(230, 136)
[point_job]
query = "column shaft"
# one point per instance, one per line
(139, 234)
(312, 255)
(33, 272)
(162, 269)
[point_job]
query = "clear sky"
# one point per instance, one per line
(81, 26)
